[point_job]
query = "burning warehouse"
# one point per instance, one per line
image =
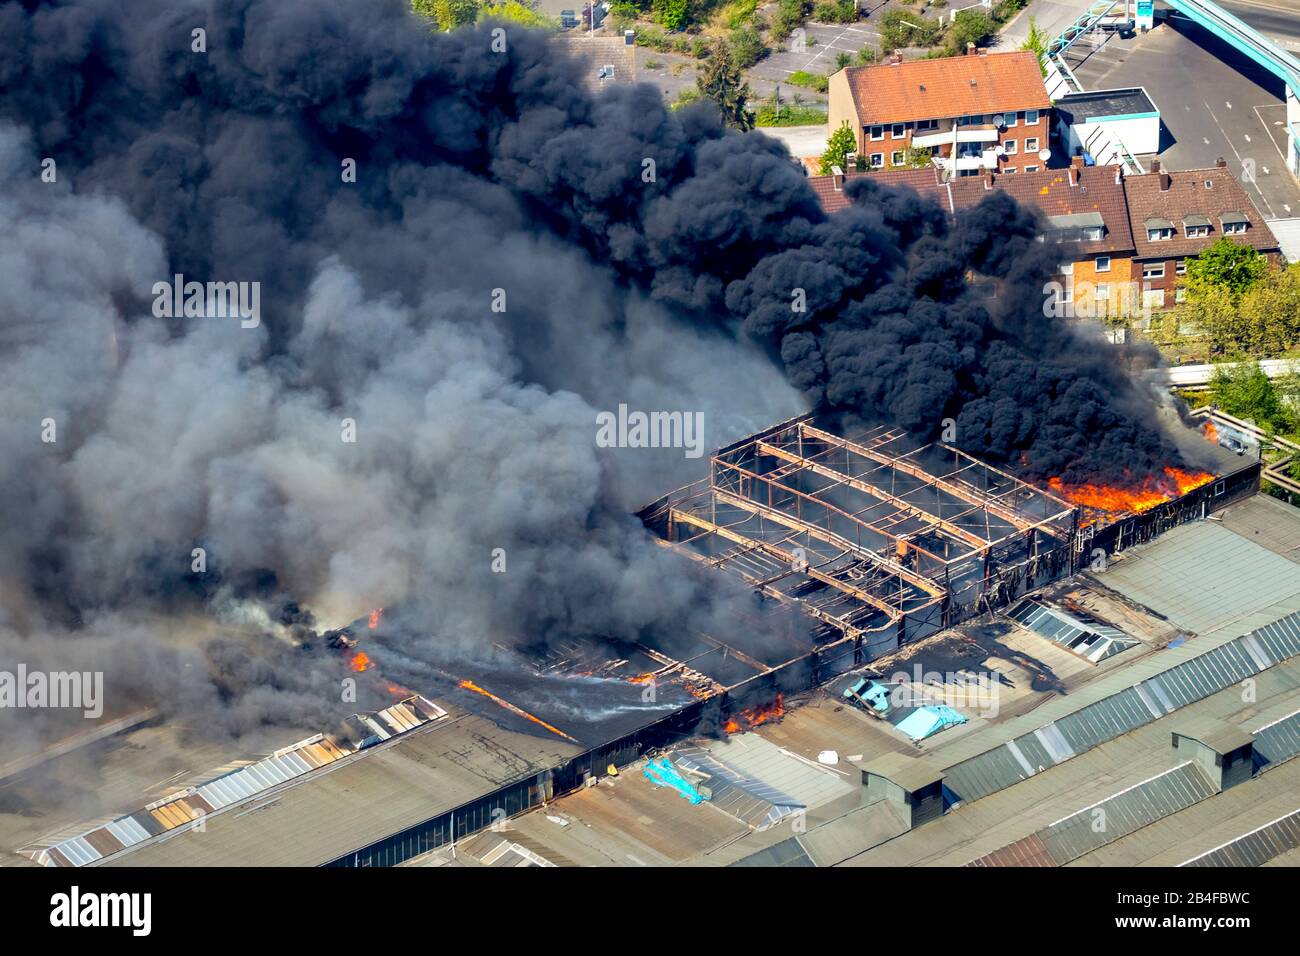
(881, 541)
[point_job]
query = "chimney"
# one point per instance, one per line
(1077, 160)
(1155, 165)
(895, 59)
(1221, 163)
(1165, 182)
(988, 180)
(837, 178)
(970, 49)
(1074, 175)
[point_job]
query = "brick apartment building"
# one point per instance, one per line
(1174, 215)
(973, 113)
(1125, 240)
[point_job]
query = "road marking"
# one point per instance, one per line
(1229, 104)
(1259, 191)
(1247, 135)
(1260, 116)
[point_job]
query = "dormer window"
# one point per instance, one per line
(1159, 230)
(1196, 227)
(1092, 234)
(1234, 223)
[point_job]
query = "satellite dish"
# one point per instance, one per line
(1044, 154)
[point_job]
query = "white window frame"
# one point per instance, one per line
(1198, 232)
(1010, 119)
(1180, 267)
(1008, 171)
(1031, 144)
(1010, 147)
(876, 133)
(876, 161)
(1099, 263)
(1234, 228)
(1149, 271)
(1031, 169)
(898, 130)
(927, 126)
(1101, 292)
(1031, 117)
(1159, 235)
(898, 157)
(1180, 294)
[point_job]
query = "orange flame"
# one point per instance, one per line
(360, 661)
(1210, 430)
(1154, 490)
(375, 615)
(519, 711)
(751, 717)
(642, 678)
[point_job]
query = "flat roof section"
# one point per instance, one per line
(1105, 104)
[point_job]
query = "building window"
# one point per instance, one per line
(1101, 292)
(1011, 119)
(1180, 294)
(1157, 235)
(1180, 267)
(1010, 147)
(1103, 263)
(1197, 232)
(927, 126)
(1031, 145)
(877, 160)
(896, 159)
(876, 132)
(1093, 234)
(1234, 228)
(897, 130)
(1155, 271)
(1031, 169)
(1008, 171)
(1031, 117)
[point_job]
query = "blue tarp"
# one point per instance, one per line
(663, 774)
(874, 694)
(927, 721)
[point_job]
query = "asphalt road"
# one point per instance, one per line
(1277, 19)
(1213, 102)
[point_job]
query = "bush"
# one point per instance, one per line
(836, 11)
(970, 26)
(747, 46)
(900, 29)
(813, 81)
(790, 14)
(674, 15)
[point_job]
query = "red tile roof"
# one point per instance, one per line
(1188, 195)
(926, 181)
(1051, 190)
(947, 87)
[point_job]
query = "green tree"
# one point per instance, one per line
(1036, 43)
(672, 14)
(1245, 391)
(970, 26)
(1225, 264)
(719, 80)
(841, 143)
(517, 11)
(447, 14)
(747, 46)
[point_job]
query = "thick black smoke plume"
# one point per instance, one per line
(646, 257)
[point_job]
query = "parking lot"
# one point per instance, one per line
(831, 40)
(1213, 102)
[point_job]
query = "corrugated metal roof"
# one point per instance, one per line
(1107, 820)
(786, 853)
(236, 785)
(749, 799)
(1106, 719)
(1256, 847)
(1088, 637)
(1277, 742)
